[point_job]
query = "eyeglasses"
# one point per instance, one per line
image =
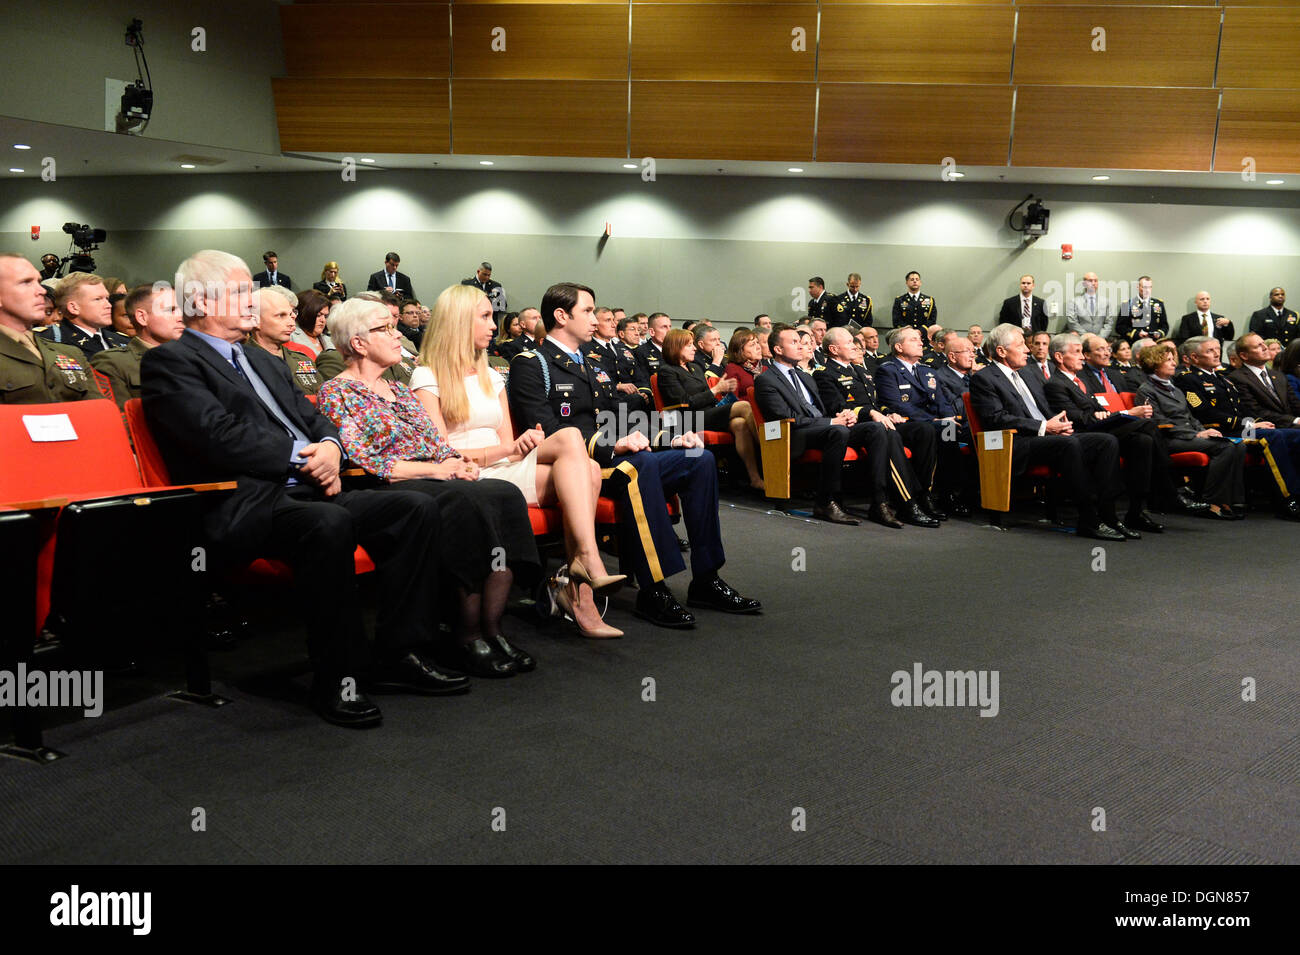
(388, 328)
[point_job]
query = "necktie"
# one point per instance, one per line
(264, 395)
(392, 281)
(274, 279)
(1079, 382)
(1047, 375)
(802, 392)
(1092, 306)
(1024, 302)
(1031, 406)
(1268, 382)
(1205, 323)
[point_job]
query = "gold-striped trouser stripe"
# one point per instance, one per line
(638, 514)
(1272, 466)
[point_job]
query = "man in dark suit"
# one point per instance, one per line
(844, 384)
(554, 386)
(1098, 374)
(1275, 320)
(1142, 316)
(819, 302)
(87, 316)
(913, 307)
(1215, 401)
(1203, 321)
(1265, 394)
(222, 412)
(1146, 462)
(786, 391)
(389, 278)
(272, 275)
(1025, 310)
(954, 374)
(1087, 462)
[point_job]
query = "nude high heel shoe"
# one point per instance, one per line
(600, 586)
(566, 600)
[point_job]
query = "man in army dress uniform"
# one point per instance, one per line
(1275, 320)
(152, 309)
(819, 302)
(34, 369)
(852, 307)
(87, 315)
(914, 308)
(274, 326)
(554, 386)
(843, 384)
(650, 352)
(1143, 316)
(1215, 402)
(631, 388)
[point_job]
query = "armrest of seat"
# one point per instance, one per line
(774, 447)
(994, 469)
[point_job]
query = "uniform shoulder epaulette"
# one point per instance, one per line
(526, 354)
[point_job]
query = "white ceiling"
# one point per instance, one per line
(86, 152)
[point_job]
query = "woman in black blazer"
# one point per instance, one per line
(684, 386)
(331, 282)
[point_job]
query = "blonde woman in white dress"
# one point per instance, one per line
(467, 402)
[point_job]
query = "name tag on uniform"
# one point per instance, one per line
(49, 427)
(564, 388)
(903, 384)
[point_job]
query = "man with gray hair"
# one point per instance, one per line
(1087, 462)
(220, 412)
(1090, 313)
(1146, 460)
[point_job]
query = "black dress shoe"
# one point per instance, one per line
(339, 702)
(480, 658)
(931, 507)
(715, 594)
(834, 514)
(1223, 514)
(1143, 521)
(524, 661)
(413, 674)
(1101, 532)
(660, 607)
(684, 545)
(955, 506)
(914, 515)
(1185, 501)
(884, 514)
(1128, 532)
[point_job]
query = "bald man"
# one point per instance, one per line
(1205, 322)
(1091, 313)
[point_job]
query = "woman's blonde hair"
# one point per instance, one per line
(448, 351)
(338, 277)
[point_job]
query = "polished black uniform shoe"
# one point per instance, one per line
(715, 594)
(658, 605)
(913, 514)
(338, 702)
(834, 514)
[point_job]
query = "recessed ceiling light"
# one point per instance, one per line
(795, 169)
(957, 175)
(629, 165)
(367, 160)
(486, 162)
(14, 169)
(1100, 178)
(1274, 182)
(21, 146)
(187, 165)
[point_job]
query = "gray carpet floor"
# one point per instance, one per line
(1119, 690)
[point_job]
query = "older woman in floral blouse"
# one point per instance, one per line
(486, 534)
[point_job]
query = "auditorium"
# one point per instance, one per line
(829, 432)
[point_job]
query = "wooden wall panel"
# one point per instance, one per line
(362, 115)
(539, 117)
(964, 3)
(722, 41)
(870, 43)
(1259, 48)
(555, 41)
(1260, 124)
(761, 121)
(357, 39)
(913, 123)
(1148, 46)
(1108, 3)
(1114, 128)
